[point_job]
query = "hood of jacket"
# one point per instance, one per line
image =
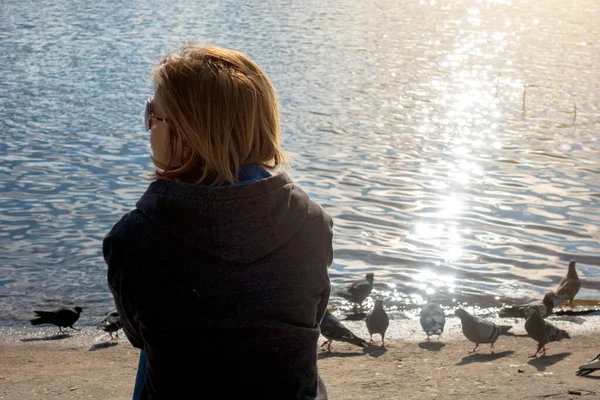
(240, 223)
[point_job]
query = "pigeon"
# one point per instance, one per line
(478, 330)
(358, 291)
(521, 310)
(542, 331)
(332, 329)
(111, 323)
(568, 286)
(586, 369)
(378, 321)
(433, 319)
(63, 317)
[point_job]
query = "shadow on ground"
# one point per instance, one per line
(516, 334)
(355, 317)
(432, 346)
(569, 318)
(471, 358)
(329, 354)
(545, 361)
(60, 336)
(103, 345)
(375, 351)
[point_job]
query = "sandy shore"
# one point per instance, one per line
(36, 365)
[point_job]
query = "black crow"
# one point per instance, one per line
(63, 317)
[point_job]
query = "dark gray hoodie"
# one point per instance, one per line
(224, 288)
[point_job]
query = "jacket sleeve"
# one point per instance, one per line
(322, 307)
(328, 261)
(120, 264)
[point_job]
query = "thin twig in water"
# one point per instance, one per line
(574, 111)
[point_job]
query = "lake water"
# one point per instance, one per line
(455, 143)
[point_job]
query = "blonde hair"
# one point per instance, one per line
(222, 111)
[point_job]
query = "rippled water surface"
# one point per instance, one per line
(455, 143)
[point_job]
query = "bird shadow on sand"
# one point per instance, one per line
(375, 351)
(516, 334)
(432, 346)
(103, 345)
(355, 317)
(59, 336)
(471, 358)
(567, 312)
(568, 318)
(545, 361)
(329, 354)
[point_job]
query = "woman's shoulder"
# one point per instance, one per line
(129, 226)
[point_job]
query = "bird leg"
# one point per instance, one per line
(474, 348)
(428, 337)
(382, 341)
(534, 355)
(328, 343)
(492, 348)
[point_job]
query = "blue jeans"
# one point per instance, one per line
(140, 377)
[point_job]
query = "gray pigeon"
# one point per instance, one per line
(548, 302)
(111, 323)
(586, 369)
(432, 319)
(332, 329)
(358, 291)
(378, 321)
(568, 286)
(63, 317)
(542, 331)
(478, 330)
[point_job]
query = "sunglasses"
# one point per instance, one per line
(149, 116)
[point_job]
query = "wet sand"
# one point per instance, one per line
(35, 364)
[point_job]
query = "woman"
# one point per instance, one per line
(220, 272)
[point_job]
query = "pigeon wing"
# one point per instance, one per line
(433, 320)
(377, 322)
(568, 288)
(360, 290)
(111, 321)
(554, 334)
(439, 320)
(485, 331)
(45, 314)
(333, 329)
(593, 365)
